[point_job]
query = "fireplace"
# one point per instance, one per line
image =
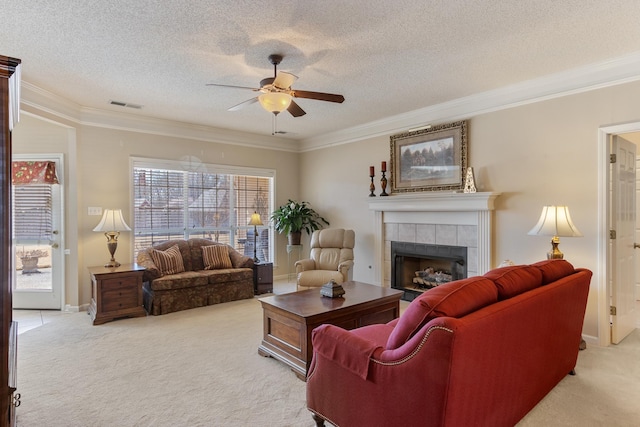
(418, 267)
(433, 218)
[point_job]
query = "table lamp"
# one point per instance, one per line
(555, 221)
(255, 221)
(111, 225)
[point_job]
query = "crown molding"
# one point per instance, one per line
(44, 101)
(608, 73)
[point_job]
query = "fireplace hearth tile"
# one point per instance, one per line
(391, 231)
(407, 233)
(472, 261)
(446, 234)
(426, 233)
(468, 236)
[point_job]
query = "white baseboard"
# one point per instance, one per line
(591, 340)
(76, 308)
(285, 278)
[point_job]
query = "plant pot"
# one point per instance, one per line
(294, 237)
(29, 265)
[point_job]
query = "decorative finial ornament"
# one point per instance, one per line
(372, 186)
(469, 182)
(383, 181)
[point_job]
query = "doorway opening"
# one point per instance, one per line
(37, 232)
(608, 256)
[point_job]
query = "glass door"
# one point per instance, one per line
(38, 258)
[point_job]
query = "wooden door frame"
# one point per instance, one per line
(604, 199)
(9, 67)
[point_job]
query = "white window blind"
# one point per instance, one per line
(212, 202)
(32, 212)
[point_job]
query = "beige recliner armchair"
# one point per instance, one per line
(331, 258)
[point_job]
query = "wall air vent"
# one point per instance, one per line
(125, 104)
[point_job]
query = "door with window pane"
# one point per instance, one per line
(36, 207)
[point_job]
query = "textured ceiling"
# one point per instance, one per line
(386, 57)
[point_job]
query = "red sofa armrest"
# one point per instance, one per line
(344, 348)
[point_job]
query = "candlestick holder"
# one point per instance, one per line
(383, 184)
(372, 188)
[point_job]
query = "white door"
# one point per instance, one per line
(637, 237)
(37, 234)
(623, 215)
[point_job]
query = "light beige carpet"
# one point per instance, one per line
(192, 368)
(201, 368)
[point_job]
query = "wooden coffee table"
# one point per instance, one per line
(290, 318)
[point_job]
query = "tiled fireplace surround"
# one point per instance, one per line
(456, 219)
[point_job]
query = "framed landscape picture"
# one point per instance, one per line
(432, 159)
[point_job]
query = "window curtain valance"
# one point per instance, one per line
(30, 172)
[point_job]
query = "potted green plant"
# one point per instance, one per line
(294, 217)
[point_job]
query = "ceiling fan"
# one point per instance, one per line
(277, 94)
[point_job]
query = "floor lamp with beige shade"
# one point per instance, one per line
(255, 221)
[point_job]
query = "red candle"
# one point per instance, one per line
(384, 166)
(371, 171)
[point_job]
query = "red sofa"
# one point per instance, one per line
(481, 351)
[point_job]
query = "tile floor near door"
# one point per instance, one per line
(30, 319)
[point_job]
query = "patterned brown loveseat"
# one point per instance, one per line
(184, 274)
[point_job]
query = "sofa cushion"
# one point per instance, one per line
(216, 257)
(226, 275)
(185, 279)
(514, 280)
(453, 299)
(183, 246)
(168, 261)
(554, 269)
(240, 261)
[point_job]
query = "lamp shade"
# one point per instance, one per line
(555, 221)
(255, 219)
(112, 221)
(275, 102)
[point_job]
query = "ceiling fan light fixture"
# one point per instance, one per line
(275, 102)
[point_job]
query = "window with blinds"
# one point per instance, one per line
(212, 202)
(32, 212)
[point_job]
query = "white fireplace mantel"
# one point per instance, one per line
(435, 208)
(434, 202)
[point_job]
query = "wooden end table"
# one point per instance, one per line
(116, 292)
(262, 277)
(290, 318)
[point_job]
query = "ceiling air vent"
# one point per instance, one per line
(126, 104)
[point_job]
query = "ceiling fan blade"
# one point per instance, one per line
(231, 86)
(284, 80)
(243, 104)
(295, 110)
(320, 96)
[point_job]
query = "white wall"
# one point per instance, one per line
(99, 175)
(35, 135)
(336, 182)
(536, 154)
